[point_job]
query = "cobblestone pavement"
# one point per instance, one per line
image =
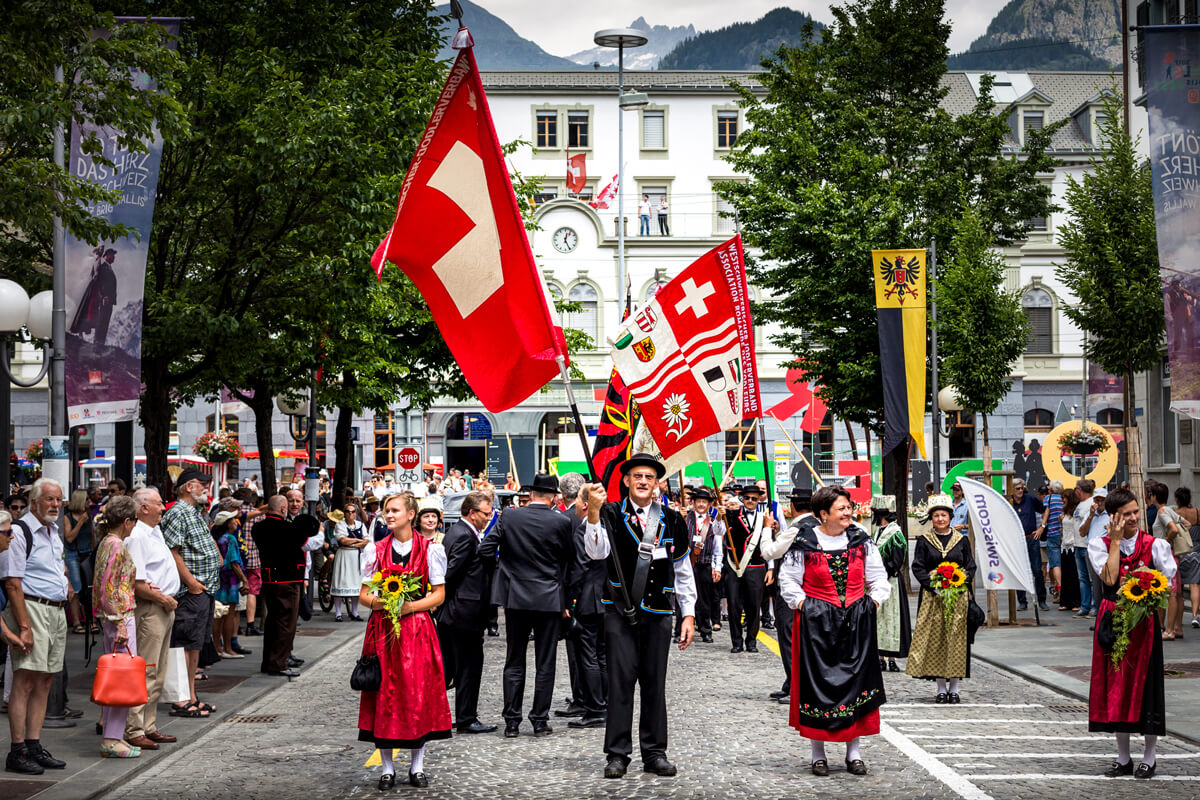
(1010, 739)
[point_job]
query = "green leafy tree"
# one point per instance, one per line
(95, 90)
(849, 151)
(981, 328)
(1112, 265)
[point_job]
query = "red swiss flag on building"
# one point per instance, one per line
(459, 236)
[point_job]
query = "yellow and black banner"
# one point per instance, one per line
(900, 301)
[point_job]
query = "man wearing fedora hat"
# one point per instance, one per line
(706, 531)
(533, 546)
(651, 553)
(748, 572)
(776, 543)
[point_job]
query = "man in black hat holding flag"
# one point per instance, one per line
(648, 574)
(748, 573)
(534, 546)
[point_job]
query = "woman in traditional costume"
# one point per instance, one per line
(410, 707)
(1128, 698)
(894, 627)
(940, 650)
(835, 580)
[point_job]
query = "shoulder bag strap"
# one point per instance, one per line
(751, 545)
(624, 605)
(641, 573)
(28, 536)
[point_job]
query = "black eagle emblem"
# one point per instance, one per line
(900, 277)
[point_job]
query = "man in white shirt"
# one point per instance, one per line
(1093, 522)
(638, 639)
(644, 211)
(776, 543)
(156, 582)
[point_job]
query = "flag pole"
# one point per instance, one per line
(799, 452)
(566, 379)
(512, 462)
(729, 471)
(767, 478)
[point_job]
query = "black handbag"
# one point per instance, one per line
(367, 675)
(975, 619)
(1106, 637)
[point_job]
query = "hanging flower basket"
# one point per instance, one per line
(1083, 442)
(218, 447)
(34, 451)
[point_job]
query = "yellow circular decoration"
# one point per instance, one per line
(1106, 463)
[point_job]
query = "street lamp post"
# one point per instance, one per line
(17, 311)
(621, 38)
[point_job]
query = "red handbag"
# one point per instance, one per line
(120, 680)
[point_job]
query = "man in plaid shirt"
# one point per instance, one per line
(199, 562)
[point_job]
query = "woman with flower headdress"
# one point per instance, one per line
(894, 630)
(945, 569)
(1127, 693)
(410, 707)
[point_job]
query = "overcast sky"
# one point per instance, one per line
(572, 30)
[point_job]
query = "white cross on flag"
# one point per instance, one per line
(459, 236)
(688, 355)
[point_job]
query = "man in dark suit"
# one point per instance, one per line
(280, 544)
(466, 610)
(640, 532)
(585, 593)
(534, 545)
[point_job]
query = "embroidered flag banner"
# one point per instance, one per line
(688, 355)
(1172, 59)
(619, 418)
(1000, 551)
(459, 236)
(900, 304)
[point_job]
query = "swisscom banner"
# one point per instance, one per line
(105, 282)
(1172, 62)
(1000, 550)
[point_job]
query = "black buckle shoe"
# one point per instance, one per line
(893, 666)
(856, 767)
(941, 699)
(1144, 770)
(820, 768)
(387, 781)
(615, 768)
(953, 698)
(418, 779)
(1117, 769)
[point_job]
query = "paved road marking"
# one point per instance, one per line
(1105, 756)
(960, 736)
(376, 761)
(769, 642)
(981, 720)
(890, 706)
(959, 784)
(1041, 776)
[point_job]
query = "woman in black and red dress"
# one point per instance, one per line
(1129, 699)
(835, 580)
(410, 707)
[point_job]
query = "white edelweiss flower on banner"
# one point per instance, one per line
(675, 410)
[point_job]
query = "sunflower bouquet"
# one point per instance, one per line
(394, 587)
(1143, 591)
(949, 581)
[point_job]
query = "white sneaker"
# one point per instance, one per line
(1195, 622)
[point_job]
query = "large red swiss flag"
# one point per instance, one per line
(459, 236)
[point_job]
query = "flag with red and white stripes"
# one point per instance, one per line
(688, 355)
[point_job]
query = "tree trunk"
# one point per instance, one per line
(262, 403)
(156, 412)
(1133, 449)
(341, 440)
(986, 444)
(853, 443)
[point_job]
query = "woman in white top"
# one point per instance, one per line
(351, 537)
(835, 580)
(410, 707)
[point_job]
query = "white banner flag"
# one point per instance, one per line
(1000, 550)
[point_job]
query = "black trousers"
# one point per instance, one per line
(282, 601)
(589, 686)
(768, 596)
(783, 630)
(708, 604)
(637, 654)
(466, 660)
(544, 625)
(745, 596)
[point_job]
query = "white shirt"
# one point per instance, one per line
(45, 573)
(1160, 554)
(791, 572)
(595, 544)
(1099, 525)
(774, 544)
(436, 556)
(644, 209)
(152, 559)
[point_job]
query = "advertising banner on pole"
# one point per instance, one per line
(1000, 551)
(105, 282)
(1172, 59)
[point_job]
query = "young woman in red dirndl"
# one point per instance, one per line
(1130, 698)
(410, 707)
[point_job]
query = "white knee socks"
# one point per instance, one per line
(1123, 748)
(954, 686)
(418, 760)
(853, 753)
(1151, 750)
(385, 755)
(941, 682)
(818, 750)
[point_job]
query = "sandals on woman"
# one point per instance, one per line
(78, 629)
(191, 710)
(119, 750)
